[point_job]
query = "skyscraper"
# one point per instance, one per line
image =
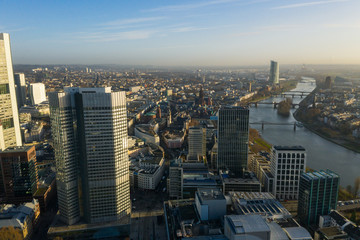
(18, 175)
(89, 128)
(20, 87)
(37, 93)
(274, 72)
(233, 138)
(197, 141)
(317, 196)
(10, 135)
(287, 165)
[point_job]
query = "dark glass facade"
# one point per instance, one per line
(19, 176)
(317, 195)
(233, 138)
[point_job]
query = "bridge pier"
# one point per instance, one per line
(256, 104)
(294, 126)
(275, 105)
(262, 126)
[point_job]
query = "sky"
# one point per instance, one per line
(183, 32)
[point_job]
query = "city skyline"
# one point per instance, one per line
(219, 32)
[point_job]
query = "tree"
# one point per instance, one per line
(353, 216)
(11, 233)
(356, 186)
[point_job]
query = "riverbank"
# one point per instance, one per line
(325, 132)
(265, 94)
(257, 143)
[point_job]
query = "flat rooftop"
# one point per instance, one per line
(319, 175)
(241, 224)
(289, 148)
(17, 149)
(210, 194)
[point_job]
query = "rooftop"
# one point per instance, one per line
(289, 148)
(298, 233)
(210, 194)
(17, 149)
(241, 224)
(319, 175)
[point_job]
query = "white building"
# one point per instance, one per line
(10, 135)
(147, 166)
(101, 124)
(37, 93)
(147, 133)
(287, 165)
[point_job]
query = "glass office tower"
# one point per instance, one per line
(233, 139)
(318, 194)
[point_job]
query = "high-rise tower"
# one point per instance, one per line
(20, 87)
(317, 196)
(233, 138)
(274, 72)
(10, 135)
(90, 138)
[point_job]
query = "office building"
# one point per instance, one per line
(37, 93)
(317, 196)
(210, 203)
(20, 87)
(287, 164)
(18, 176)
(197, 142)
(10, 135)
(233, 138)
(90, 140)
(274, 72)
(247, 183)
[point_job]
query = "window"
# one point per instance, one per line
(4, 88)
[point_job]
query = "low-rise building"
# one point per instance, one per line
(247, 183)
(19, 221)
(210, 203)
(146, 166)
(147, 133)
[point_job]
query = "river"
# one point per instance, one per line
(321, 153)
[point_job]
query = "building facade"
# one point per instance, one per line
(197, 141)
(37, 93)
(90, 124)
(233, 138)
(10, 135)
(20, 87)
(287, 164)
(19, 177)
(274, 72)
(318, 195)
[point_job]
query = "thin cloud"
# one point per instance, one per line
(188, 6)
(117, 36)
(188, 29)
(308, 4)
(125, 22)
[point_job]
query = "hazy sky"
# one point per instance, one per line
(183, 32)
